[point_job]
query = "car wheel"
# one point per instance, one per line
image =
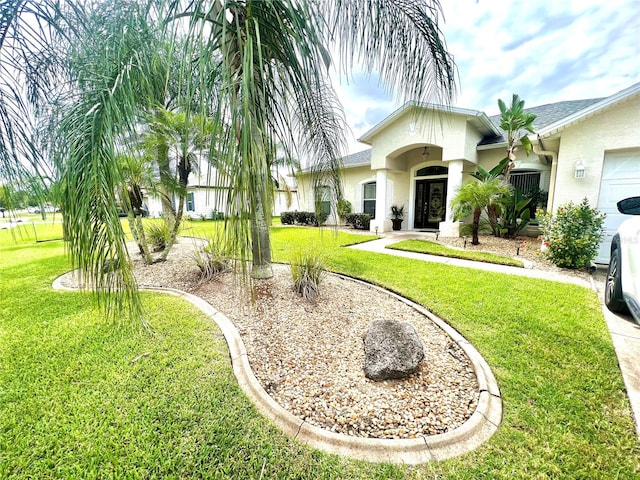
(613, 288)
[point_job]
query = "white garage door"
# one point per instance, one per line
(620, 179)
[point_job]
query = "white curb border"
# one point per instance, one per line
(479, 428)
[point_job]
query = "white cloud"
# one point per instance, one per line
(546, 51)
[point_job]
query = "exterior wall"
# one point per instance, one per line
(449, 132)
(353, 180)
(615, 128)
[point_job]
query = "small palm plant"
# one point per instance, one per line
(308, 270)
(212, 258)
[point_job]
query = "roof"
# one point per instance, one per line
(552, 117)
(360, 159)
(357, 159)
(477, 118)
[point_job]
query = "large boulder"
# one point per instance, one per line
(392, 350)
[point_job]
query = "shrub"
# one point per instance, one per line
(360, 221)
(344, 208)
(301, 218)
(287, 218)
(158, 234)
(574, 234)
(216, 215)
(307, 270)
(320, 218)
(212, 259)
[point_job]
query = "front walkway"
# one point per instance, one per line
(379, 246)
(625, 333)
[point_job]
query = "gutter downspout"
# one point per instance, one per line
(554, 169)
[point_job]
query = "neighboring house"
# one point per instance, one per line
(421, 153)
(207, 194)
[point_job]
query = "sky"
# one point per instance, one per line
(546, 51)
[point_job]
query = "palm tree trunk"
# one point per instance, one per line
(260, 243)
(137, 231)
(174, 231)
(476, 226)
(492, 213)
(166, 180)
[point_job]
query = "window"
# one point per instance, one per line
(430, 171)
(526, 181)
(323, 200)
(191, 206)
(369, 198)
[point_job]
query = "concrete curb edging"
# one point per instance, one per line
(476, 430)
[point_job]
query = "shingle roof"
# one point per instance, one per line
(357, 159)
(545, 115)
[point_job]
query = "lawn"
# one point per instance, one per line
(433, 248)
(79, 399)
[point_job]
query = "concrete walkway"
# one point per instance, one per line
(625, 333)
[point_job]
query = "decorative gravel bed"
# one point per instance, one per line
(309, 357)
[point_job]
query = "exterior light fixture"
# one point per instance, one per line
(580, 169)
(425, 152)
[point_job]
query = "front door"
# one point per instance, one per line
(431, 201)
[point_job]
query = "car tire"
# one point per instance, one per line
(613, 288)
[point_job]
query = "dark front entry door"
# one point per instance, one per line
(431, 201)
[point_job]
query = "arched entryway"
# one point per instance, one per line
(430, 197)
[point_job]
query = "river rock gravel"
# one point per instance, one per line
(309, 356)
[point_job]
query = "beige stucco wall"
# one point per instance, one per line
(615, 128)
(450, 132)
(352, 180)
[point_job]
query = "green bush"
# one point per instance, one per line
(360, 221)
(574, 234)
(303, 218)
(307, 270)
(344, 208)
(319, 219)
(212, 258)
(287, 218)
(158, 234)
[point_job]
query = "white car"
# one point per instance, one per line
(622, 291)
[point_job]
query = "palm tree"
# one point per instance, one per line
(137, 177)
(260, 67)
(273, 58)
(475, 196)
(513, 120)
(177, 135)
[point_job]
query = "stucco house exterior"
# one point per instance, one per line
(421, 153)
(207, 193)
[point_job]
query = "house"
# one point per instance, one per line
(420, 155)
(207, 193)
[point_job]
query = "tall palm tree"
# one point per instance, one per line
(514, 120)
(274, 58)
(261, 67)
(473, 197)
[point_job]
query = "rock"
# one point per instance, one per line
(392, 350)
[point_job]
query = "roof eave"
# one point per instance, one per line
(480, 116)
(585, 113)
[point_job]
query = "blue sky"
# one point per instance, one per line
(546, 51)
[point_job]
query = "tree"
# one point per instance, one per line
(259, 67)
(513, 120)
(475, 196)
(177, 135)
(274, 59)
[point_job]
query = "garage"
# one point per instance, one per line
(620, 179)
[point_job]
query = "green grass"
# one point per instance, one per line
(74, 404)
(433, 248)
